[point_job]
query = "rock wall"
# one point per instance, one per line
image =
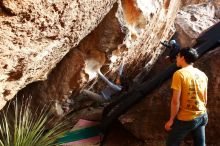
(192, 20)
(128, 34)
(78, 67)
(192, 2)
(36, 35)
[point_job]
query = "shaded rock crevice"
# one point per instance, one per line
(5, 10)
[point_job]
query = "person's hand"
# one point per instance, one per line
(118, 81)
(164, 42)
(168, 125)
(167, 57)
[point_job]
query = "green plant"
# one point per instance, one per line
(26, 128)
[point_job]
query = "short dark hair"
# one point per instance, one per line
(190, 54)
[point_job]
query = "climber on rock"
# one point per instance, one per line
(107, 92)
(174, 49)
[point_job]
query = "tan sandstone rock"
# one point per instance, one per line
(127, 33)
(192, 20)
(36, 35)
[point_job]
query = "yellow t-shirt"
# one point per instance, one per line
(193, 83)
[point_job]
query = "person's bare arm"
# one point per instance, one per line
(175, 104)
(112, 85)
(205, 96)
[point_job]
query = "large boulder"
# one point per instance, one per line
(128, 33)
(192, 20)
(36, 35)
(193, 2)
(217, 7)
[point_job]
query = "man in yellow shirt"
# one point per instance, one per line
(189, 99)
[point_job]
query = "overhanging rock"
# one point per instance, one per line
(36, 35)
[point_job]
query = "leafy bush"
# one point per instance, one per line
(26, 128)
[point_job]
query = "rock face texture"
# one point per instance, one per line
(192, 2)
(78, 67)
(192, 20)
(217, 7)
(130, 33)
(35, 36)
